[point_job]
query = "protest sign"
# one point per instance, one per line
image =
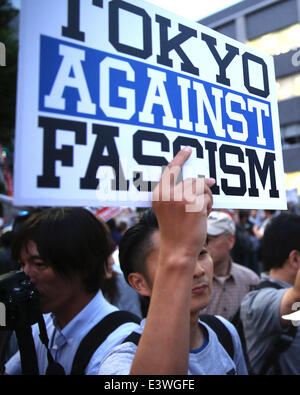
(110, 91)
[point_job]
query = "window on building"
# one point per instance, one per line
(288, 87)
(291, 140)
(280, 42)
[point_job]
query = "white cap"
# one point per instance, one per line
(219, 222)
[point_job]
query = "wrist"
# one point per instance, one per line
(177, 258)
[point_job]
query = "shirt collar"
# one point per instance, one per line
(231, 273)
(93, 312)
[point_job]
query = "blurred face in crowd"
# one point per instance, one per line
(56, 293)
(202, 278)
(253, 213)
(109, 268)
(219, 247)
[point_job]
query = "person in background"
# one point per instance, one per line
(115, 233)
(7, 236)
(6, 263)
(116, 290)
(259, 230)
(246, 246)
(122, 227)
(231, 281)
(254, 217)
(273, 343)
(64, 252)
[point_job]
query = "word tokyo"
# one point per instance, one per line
(142, 94)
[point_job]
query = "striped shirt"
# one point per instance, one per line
(228, 291)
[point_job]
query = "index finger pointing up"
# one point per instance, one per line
(177, 162)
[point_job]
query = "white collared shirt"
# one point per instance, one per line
(64, 343)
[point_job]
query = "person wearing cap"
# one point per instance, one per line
(268, 314)
(231, 281)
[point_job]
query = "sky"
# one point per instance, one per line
(191, 9)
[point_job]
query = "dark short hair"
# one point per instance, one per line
(281, 236)
(243, 214)
(136, 245)
(72, 241)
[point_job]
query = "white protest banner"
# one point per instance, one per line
(110, 91)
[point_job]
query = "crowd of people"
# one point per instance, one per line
(191, 292)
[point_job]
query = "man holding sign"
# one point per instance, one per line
(110, 91)
(177, 275)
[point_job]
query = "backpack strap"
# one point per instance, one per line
(216, 325)
(5, 336)
(221, 331)
(266, 284)
(96, 337)
(133, 338)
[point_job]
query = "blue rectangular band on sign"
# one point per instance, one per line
(82, 82)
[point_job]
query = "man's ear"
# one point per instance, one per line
(139, 283)
(231, 241)
(294, 259)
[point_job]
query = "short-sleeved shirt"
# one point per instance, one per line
(260, 314)
(229, 291)
(210, 360)
(63, 343)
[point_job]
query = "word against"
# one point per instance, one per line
(190, 105)
(2, 314)
(2, 55)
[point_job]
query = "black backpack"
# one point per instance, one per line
(279, 346)
(100, 332)
(91, 342)
(97, 335)
(105, 327)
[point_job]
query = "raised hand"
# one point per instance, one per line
(182, 208)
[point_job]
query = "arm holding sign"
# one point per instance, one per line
(165, 343)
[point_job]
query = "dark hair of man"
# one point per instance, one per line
(243, 214)
(136, 245)
(270, 211)
(282, 235)
(72, 241)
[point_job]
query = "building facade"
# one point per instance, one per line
(272, 26)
